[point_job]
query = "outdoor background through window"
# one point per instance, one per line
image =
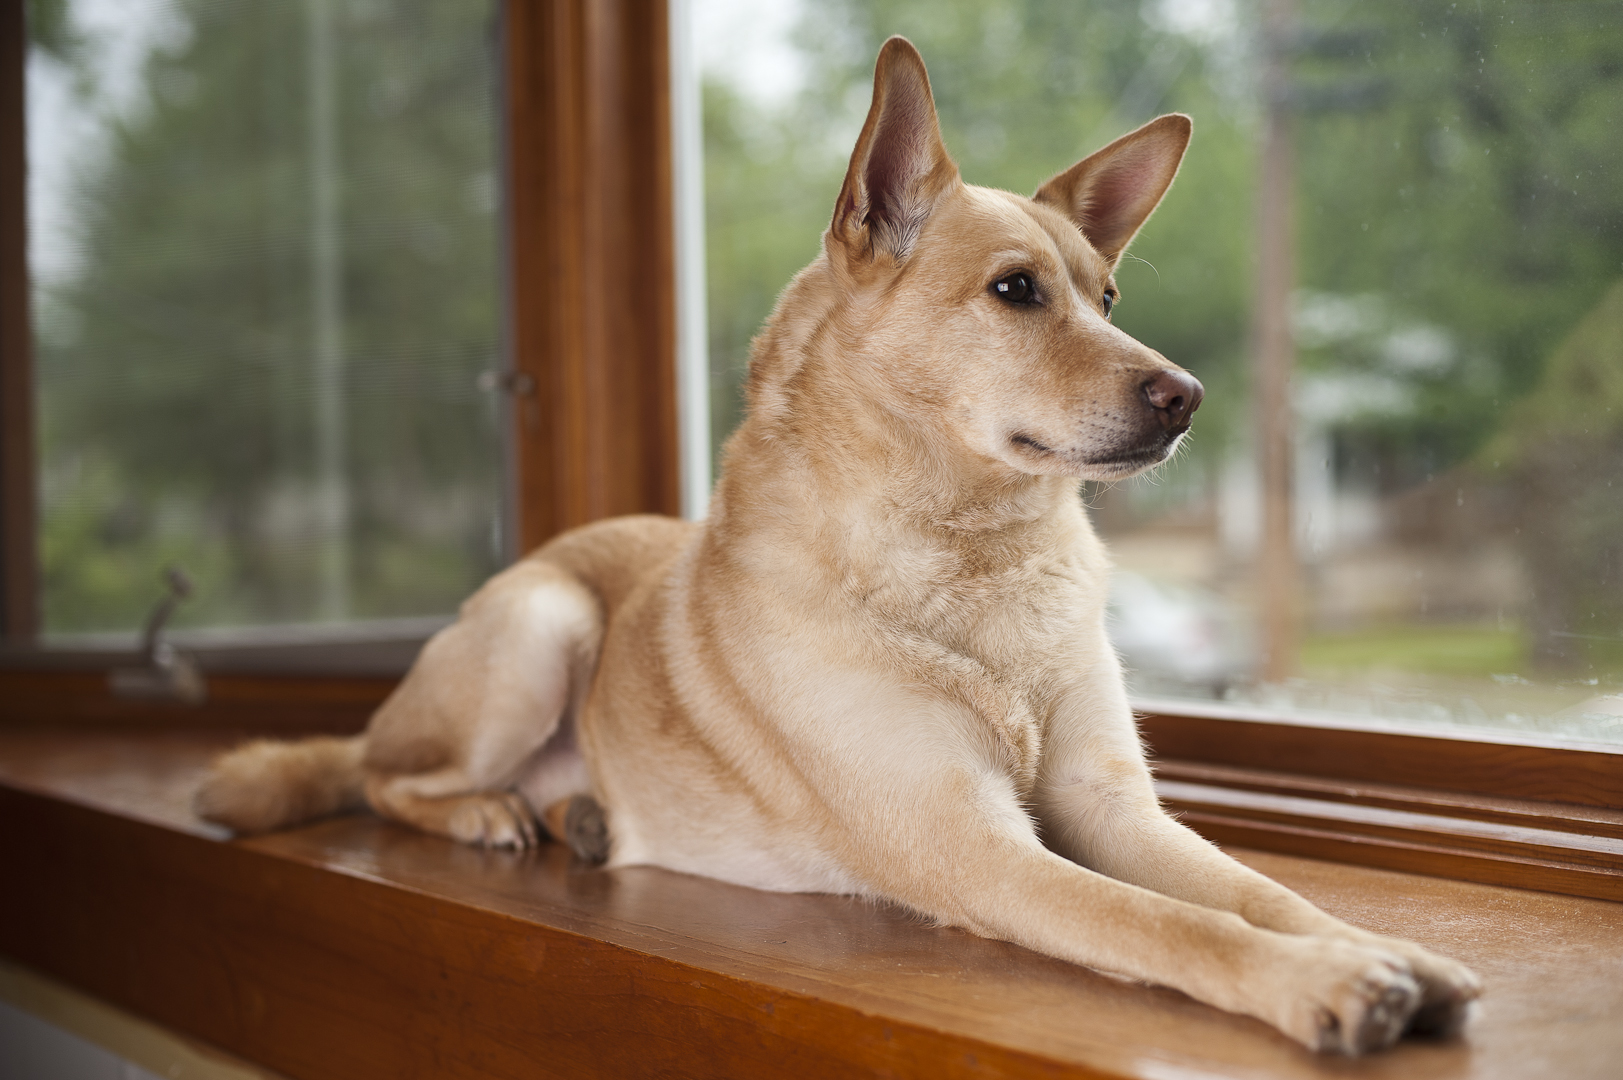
(263, 243)
(1453, 549)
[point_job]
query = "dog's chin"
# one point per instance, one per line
(1034, 457)
(1120, 468)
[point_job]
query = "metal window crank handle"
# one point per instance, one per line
(166, 674)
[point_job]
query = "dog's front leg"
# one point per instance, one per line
(1097, 804)
(960, 850)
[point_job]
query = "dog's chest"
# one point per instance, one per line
(1007, 614)
(990, 638)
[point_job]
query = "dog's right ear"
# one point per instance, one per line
(900, 166)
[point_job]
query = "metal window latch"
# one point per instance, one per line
(517, 383)
(166, 674)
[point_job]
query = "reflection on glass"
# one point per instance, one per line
(263, 247)
(1454, 539)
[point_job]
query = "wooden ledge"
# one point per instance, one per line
(353, 948)
(1518, 842)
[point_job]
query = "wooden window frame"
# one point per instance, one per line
(590, 225)
(592, 398)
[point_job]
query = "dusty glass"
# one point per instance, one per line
(1450, 488)
(264, 254)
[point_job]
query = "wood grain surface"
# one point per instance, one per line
(67, 700)
(1560, 847)
(1470, 762)
(591, 262)
(355, 948)
(19, 610)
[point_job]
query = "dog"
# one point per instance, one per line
(879, 666)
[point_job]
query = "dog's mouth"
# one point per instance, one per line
(1124, 465)
(1152, 451)
(1113, 463)
(1026, 442)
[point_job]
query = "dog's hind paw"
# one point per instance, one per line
(580, 823)
(496, 819)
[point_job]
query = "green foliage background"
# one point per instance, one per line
(1460, 182)
(174, 366)
(1023, 90)
(1458, 179)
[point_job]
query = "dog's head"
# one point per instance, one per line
(990, 312)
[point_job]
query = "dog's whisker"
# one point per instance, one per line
(1146, 262)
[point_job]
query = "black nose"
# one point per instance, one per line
(1173, 397)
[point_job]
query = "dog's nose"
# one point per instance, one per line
(1173, 396)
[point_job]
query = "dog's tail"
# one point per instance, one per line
(269, 785)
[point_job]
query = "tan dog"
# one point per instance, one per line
(880, 666)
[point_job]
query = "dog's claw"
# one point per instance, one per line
(494, 820)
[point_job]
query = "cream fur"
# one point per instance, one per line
(880, 666)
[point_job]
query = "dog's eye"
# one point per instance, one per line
(1017, 288)
(1109, 302)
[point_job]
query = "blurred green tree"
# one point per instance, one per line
(1561, 452)
(177, 395)
(1459, 208)
(1024, 89)
(1480, 200)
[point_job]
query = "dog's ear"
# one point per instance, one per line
(1111, 192)
(900, 166)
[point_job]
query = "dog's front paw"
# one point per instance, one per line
(1348, 998)
(498, 819)
(1447, 988)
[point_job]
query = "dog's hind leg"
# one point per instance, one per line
(490, 702)
(499, 819)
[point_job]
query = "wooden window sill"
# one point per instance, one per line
(353, 948)
(1397, 799)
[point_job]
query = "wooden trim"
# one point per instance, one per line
(19, 615)
(356, 948)
(249, 703)
(591, 262)
(1522, 843)
(1502, 810)
(1470, 763)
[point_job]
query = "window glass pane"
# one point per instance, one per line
(265, 264)
(1453, 553)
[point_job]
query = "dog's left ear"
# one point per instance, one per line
(900, 166)
(1111, 192)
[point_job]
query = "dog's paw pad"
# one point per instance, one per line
(1387, 1007)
